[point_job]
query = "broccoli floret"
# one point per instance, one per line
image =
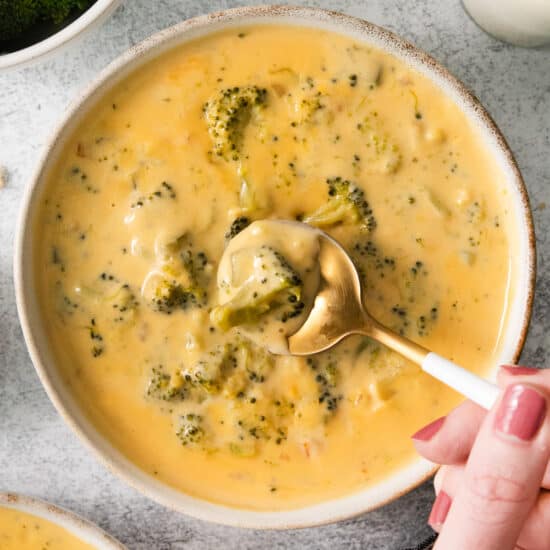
(227, 115)
(325, 370)
(257, 362)
(58, 10)
(180, 282)
(346, 204)
(212, 369)
(98, 345)
(232, 370)
(195, 264)
(308, 107)
(209, 374)
(274, 285)
(229, 368)
(240, 223)
(118, 301)
(190, 431)
(171, 296)
(164, 386)
(124, 304)
(17, 16)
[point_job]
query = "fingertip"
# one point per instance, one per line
(508, 374)
(521, 412)
(427, 432)
(440, 509)
(518, 370)
(448, 439)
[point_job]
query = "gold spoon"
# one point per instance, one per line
(338, 311)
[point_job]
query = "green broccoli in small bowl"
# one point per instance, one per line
(25, 22)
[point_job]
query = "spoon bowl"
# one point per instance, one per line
(337, 310)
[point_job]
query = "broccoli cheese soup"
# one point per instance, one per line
(262, 123)
(22, 531)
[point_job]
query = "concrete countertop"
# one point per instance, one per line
(40, 455)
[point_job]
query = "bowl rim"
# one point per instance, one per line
(420, 469)
(93, 16)
(78, 526)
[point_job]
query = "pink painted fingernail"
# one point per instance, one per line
(514, 369)
(440, 509)
(427, 432)
(521, 412)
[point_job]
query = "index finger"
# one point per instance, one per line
(503, 474)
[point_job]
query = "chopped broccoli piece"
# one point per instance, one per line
(119, 303)
(326, 374)
(240, 223)
(124, 304)
(251, 365)
(164, 386)
(195, 263)
(234, 372)
(171, 296)
(208, 374)
(227, 115)
(212, 369)
(17, 16)
(181, 281)
(275, 285)
(370, 261)
(98, 346)
(257, 361)
(231, 368)
(58, 10)
(346, 203)
(190, 431)
(308, 107)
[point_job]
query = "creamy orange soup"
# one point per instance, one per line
(22, 531)
(265, 123)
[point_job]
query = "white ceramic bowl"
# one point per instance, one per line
(77, 526)
(91, 18)
(514, 330)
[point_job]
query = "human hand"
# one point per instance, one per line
(492, 490)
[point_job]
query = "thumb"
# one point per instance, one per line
(502, 477)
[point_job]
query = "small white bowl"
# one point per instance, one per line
(94, 16)
(513, 330)
(77, 526)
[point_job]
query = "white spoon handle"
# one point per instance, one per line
(468, 384)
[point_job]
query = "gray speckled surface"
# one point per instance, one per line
(40, 456)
